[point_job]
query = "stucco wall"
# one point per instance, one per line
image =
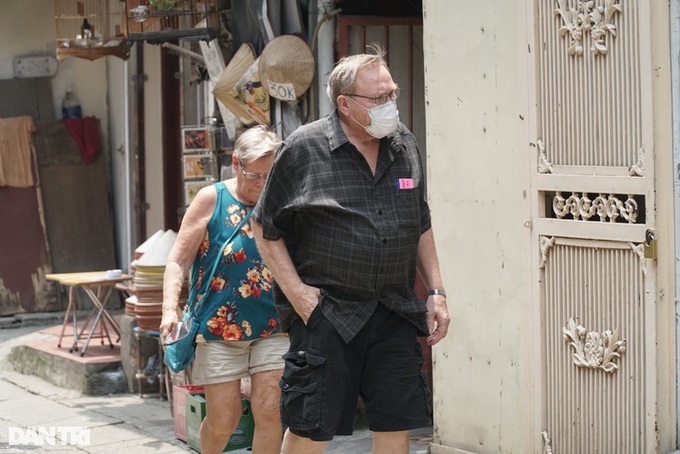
(27, 27)
(153, 104)
(477, 142)
(487, 386)
(121, 158)
(667, 359)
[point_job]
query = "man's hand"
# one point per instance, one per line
(438, 318)
(304, 299)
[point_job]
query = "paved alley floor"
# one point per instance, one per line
(37, 417)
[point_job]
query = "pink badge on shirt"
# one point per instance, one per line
(405, 183)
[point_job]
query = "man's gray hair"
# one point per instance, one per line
(342, 79)
(255, 143)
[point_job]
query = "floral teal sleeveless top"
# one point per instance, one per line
(239, 303)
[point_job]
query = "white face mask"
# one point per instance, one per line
(384, 119)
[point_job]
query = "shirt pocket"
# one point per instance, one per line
(407, 209)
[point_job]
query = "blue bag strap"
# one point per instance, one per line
(195, 312)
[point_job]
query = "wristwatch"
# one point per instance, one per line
(437, 291)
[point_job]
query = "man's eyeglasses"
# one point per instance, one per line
(380, 99)
(252, 176)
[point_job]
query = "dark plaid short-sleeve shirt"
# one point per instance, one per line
(351, 233)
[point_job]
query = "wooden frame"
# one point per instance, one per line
(191, 188)
(202, 165)
(197, 139)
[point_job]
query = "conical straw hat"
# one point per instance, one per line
(242, 60)
(286, 67)
(157, 255)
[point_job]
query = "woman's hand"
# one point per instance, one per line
(168, 323)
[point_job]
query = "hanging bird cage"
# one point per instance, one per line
(90, 29)
(159, 21)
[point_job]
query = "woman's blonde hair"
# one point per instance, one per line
(255, 143)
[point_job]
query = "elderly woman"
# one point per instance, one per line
(241, 336)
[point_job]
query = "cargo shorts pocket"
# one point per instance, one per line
(302, 390)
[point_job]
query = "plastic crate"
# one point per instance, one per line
(179, 407)
(195, 412)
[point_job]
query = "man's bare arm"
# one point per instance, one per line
(438, 318)
(276, 257)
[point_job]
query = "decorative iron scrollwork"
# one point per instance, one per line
(638, 169)
(588, 17)
(606, 207)
(592, 349)
(547, 443)
(545, 244)
(544, 165)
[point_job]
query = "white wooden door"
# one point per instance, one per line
(593, 184)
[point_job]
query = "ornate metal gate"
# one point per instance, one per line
(595, 268)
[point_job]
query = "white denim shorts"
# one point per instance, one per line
(224, 361)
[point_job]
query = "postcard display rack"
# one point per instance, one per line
(199, 159)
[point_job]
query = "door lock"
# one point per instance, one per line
(650, 245)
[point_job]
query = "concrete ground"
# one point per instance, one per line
(44, 417)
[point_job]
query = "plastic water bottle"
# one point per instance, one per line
(70, 105)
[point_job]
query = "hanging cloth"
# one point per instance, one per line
(85, 131)
(15, 151)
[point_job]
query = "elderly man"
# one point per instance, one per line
(343, 225)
